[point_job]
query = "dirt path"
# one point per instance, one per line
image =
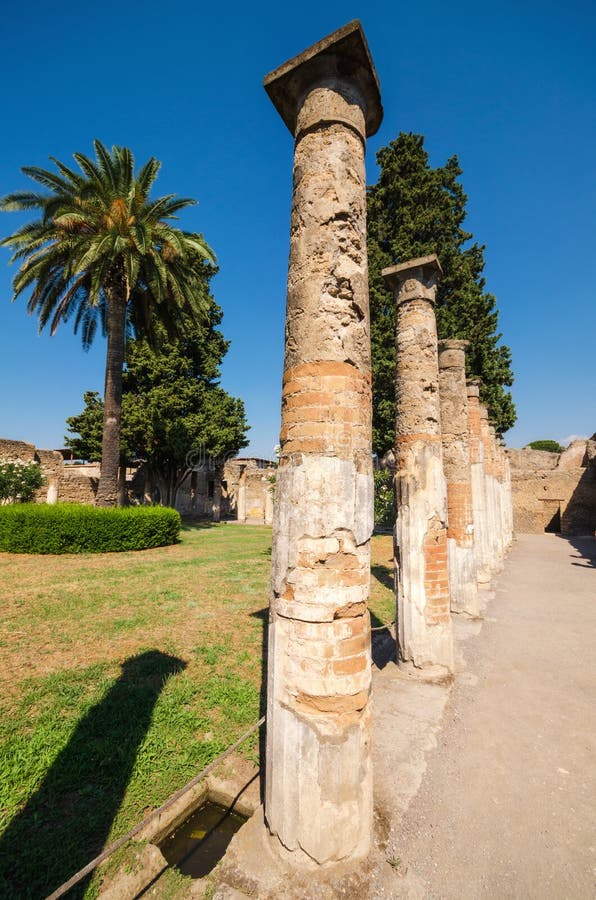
(506, 806)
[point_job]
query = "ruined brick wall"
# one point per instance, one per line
(554, 492)
(16, 451)
(78, 484)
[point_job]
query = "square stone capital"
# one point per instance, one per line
(473, 387)
(416, 279)
(452, 353)
(341, 58)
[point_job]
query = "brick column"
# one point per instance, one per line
(423, 616)
(456, 465)
(319, 780)
(479, 505)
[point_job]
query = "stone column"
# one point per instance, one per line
(491, 520)
(268, 505)
(508, 504)
(52, 495)
(216, 504)
(479, 503)
(241, 501)
(499, 524)
(422, 607)
(456, 466)
(318, 799)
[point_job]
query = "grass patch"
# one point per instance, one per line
(121, 676)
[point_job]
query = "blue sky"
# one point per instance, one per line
(509, 87)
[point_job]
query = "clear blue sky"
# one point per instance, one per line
(509, 87)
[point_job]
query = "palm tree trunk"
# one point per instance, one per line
(107, 491)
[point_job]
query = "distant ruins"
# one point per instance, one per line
(243, 490)
(555, 491)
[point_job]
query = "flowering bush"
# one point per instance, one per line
(19, 481)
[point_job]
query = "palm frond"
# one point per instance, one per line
(147, 176)
(48, 179)
(21, 200)
(106, 163)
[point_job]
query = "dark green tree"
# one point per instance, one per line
(414, 210)
(174, 413)
(102, 252)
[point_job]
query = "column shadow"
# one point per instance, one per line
(263, 616)
(383, 643)
(586, 547)
(66, 822)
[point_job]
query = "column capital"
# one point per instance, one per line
(416, 279)
(473, 387)
(341, 63)
(452, 353)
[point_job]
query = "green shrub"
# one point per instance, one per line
(71, 528)
(384, 505)
(19, 481)
(549, 446)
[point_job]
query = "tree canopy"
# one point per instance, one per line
(414, 210)
(547, 445)
(174, 413)
(103, 253)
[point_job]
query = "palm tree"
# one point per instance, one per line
(102, 252)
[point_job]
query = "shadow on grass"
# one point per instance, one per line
(189, 524)
(384, 575)
(68, 819)
(263, 616)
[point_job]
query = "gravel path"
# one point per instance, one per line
(505, 808)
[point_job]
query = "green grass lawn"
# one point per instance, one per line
(121, 676)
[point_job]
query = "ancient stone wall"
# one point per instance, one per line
(78, 485)
(554, 492)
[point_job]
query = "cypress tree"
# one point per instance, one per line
(414, 210)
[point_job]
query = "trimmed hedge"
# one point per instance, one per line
(72, 528)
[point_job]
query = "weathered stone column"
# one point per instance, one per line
(241, 501)
(318, 799)
(496, 474)
(268, 506)
(479, 503)
(489, 489)
(422, 607)
(456, 466)
(52, 495)
(216, 505)
(508, 502)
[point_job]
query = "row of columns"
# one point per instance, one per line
(452, 480)
(318, 790)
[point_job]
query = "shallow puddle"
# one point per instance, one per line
(197, 845)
